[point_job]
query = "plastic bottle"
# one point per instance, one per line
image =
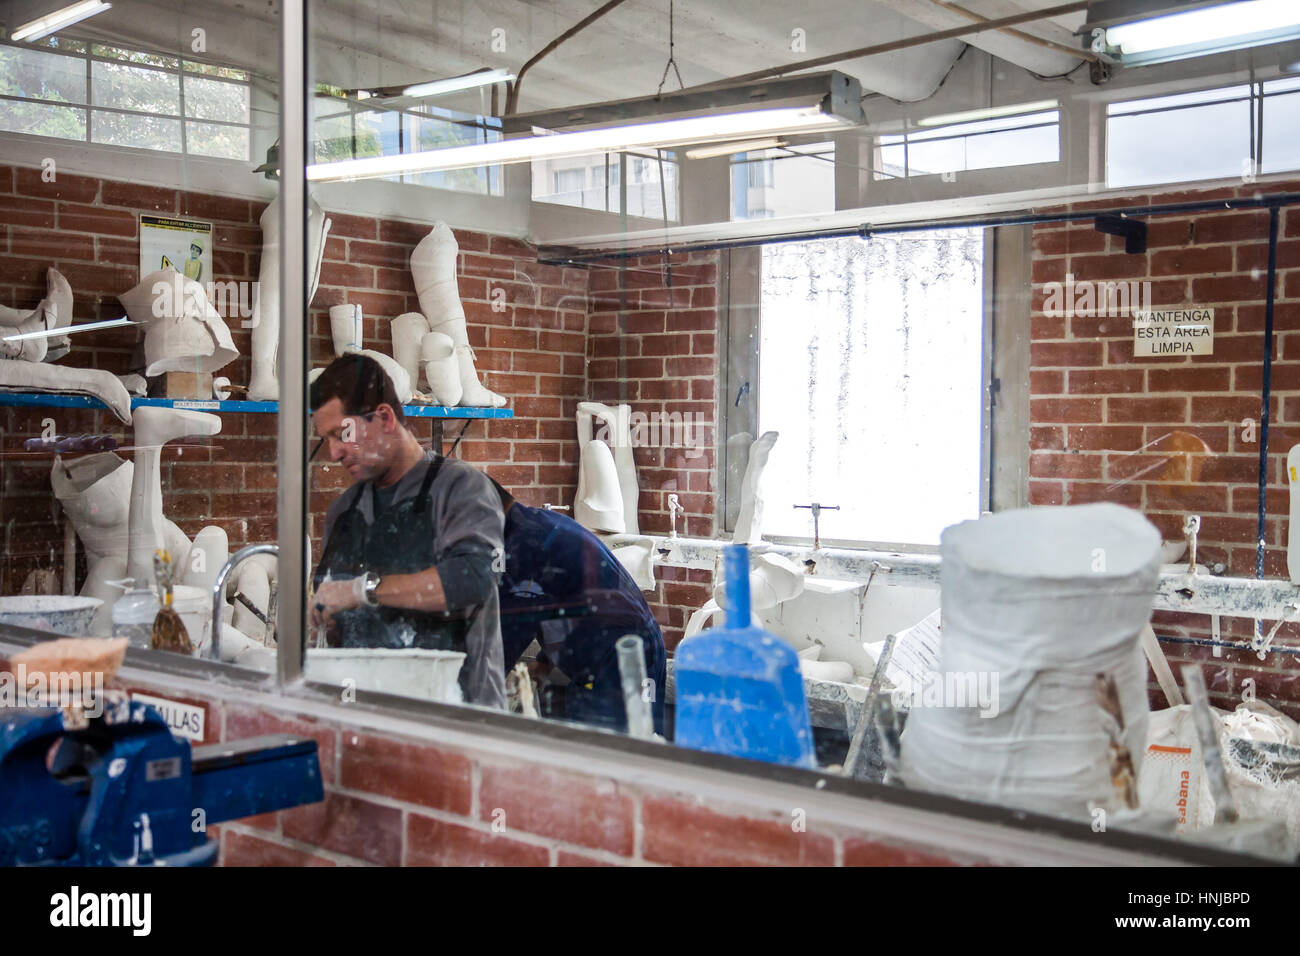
(134, 613)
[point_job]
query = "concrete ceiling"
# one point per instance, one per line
(391, 42)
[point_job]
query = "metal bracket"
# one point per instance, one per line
(1134, 231)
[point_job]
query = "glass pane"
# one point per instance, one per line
(223, 142)
(1203, 142)
(1281, 133)
(133, 129)
(589, 182)
(214, 100)
(985, 151)
(871, 353)
(44, 76)
(775, 183)
(42, 119)
(135, 88)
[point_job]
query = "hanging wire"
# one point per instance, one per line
(672, 62)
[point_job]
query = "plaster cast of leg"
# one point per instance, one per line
(401, 381)
(433, 266)
(183, 332)
(61, 379)
(134, 384)
(749, 523)
(406, 331)
(617, 421)
(213, 544)
(345, 328)
(441, 368)
(598, 505)
(154, 427)
(597, 481)
(264, 385)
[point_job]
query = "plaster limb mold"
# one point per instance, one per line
(182, 331)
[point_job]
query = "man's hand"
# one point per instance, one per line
(332, 597)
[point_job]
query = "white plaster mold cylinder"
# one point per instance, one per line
(406, 332)
(1035, 603)
(345, 328)
(598, 482)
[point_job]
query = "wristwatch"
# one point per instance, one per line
(369, 587)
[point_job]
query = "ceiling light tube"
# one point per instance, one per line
(662, 134)
(455, 84)
(52, 22)
(1142, 32)
(730, 149)
(992, 112)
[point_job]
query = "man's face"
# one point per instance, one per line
(363, 444)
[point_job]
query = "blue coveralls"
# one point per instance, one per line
(553, 562)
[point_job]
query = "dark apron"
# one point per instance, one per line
(400, 541)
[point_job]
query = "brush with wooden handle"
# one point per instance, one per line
(169, 632)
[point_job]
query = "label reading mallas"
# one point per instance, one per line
(185, 720)
(1173, 332)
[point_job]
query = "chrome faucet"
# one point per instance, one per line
(219, 587)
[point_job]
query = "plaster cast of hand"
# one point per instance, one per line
(333, 597)
(433, 267)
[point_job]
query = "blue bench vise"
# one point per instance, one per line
(117, 789)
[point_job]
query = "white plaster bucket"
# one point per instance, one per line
(57, 613)
(406, 672)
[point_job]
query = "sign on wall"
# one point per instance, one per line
(1173, 332)
(185, 720)
(182, 244)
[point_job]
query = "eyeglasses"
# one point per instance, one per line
(337, 434)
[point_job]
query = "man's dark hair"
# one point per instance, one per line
(360, 383)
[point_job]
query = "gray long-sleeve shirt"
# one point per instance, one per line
(468, 544)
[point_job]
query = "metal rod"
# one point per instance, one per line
(631, 671)
(866, 231)
(219, 588)
(1020, 34)
(868, 709)
(1225, 808)
(1267, 391)
(903, 44)
(292, 493)
(512, 98)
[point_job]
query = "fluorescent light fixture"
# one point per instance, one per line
(454, 84)
(800, 104)
(1144, 32)
(59, 19)
(68, 330)
(992, 112)
(729, 149)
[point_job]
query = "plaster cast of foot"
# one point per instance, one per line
(154, 427)
(639, 558)
(433, 266)
(406, 331)
(264, 385)
(617, 421)
(441, 368)
(182, 331)
(52, 312)
(749, 522)
(345, 328)
(61, 379)
(598, 504)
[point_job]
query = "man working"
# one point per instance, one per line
(412, 550)
(563, 588)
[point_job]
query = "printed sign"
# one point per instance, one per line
(180, 244)
(185, 720)
(1173, 332)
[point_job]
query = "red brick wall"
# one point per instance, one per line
(392, 800)
(1163, 434)
(537, 338)
(654, 344)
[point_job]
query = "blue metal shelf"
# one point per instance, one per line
(47, 400)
